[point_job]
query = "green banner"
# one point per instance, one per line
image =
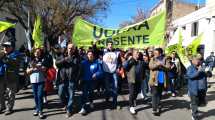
(37, 33)
(6, 25)
(149, 32)
(193, 46)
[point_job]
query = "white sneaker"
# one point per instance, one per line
(164, 93)
(82, 111)
(44, 100)
(142, 96)
(173, 95)
(132, 110)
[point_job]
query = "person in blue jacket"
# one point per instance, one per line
(91, 70)
(10, 64)
(197, 84)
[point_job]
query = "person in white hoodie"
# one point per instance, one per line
(111, 63)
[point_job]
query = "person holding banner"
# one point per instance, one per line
(159, 67)
(111, 63)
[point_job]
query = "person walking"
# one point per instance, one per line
(10, 62)
(135, 75)
(158, 78)
(197, 84)
(210, 61)
(36, 71)
(111, 64)
(91, 70)
(69, 71)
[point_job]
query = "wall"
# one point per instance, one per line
(206, 21)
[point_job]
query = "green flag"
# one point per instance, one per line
(149, 32)
(37, 33)
(171, 48)
(178, 47)
(192, 48)
(6, 25)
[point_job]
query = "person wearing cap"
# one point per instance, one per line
(197, 84)
(9, 80)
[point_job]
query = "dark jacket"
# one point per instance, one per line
(68, 68)
(210, 61)
(135, 70)
(197, 80)
(11, 63)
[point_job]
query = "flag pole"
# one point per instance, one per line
(2, 38)
(27, 34)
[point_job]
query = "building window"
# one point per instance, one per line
(194, 30)
(184, 27)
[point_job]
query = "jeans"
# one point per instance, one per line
(38, 95)
(145, 86)
(66, 92)
(156, 96)
(111, 84)
(134, 89)
(201, 97)
(172, 85)
(194, 105)
(87, 92)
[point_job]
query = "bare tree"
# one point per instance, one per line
(140, 16)
(57, 15)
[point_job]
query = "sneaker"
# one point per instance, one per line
(132, 110)
(164, 93)
(194, 118)
(68, 114)
(41, 116)
(155, 112)
(82, 111)
(8, 112)
(44, 100)
(173, 95)
(142, 96)
(169, 92)
(2, 110)
(35, 113)
(64, 108)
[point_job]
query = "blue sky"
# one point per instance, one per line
(122, 10)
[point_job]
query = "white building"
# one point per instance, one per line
(195, 23)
